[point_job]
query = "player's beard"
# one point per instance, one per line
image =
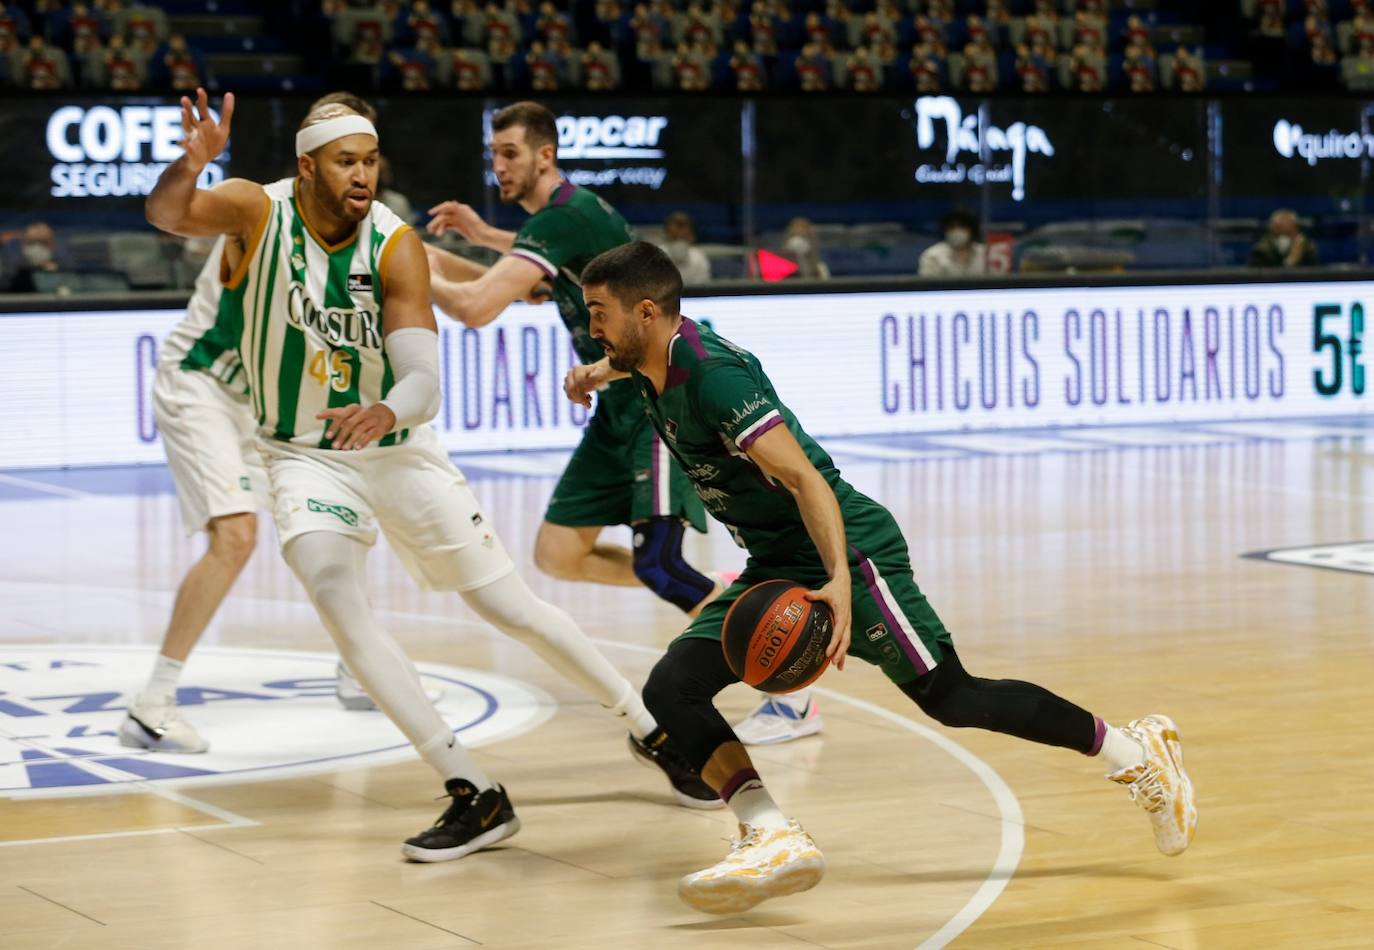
(628, 354)
(337, 204)
(523, 189)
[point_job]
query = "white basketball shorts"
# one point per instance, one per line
(208, 433)
(411, 491)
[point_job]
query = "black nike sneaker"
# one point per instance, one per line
(472, 822)
(656, 750)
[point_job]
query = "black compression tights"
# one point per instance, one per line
(949, 695)
(688, 677)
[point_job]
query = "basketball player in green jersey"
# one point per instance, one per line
(326, 301)
(621, 472)
(783, 499)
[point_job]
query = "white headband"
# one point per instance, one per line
(322, 133)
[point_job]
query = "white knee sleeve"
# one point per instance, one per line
(330, 566)
(509, 605)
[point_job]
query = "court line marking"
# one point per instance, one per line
(1010, 849)
(1013, 841)
(32, 485)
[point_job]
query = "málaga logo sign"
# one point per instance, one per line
(266, 713)
(975, 151)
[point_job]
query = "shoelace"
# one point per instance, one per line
(1149, 787)
(739, 842)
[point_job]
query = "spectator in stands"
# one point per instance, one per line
(1138, 33)
(929, 30)
(1284, 245)
(679, 243)
(182, 64)
(747, 67)
(1271, 25)
(14, 29)
(42, 67)
(1043, 25)
(865, 73)
(124, 68)
(500, 25)
(1189, 74)
(813, 69)
(1139, 69)
(800, 246)
(470, 70)
(1090, 30)
(552, 23)
(764, 29)
(1032, 70)
(961, 253)
(980, 66)
(692, 68)
(543, 68)
(1088, 69)
(424, 22)
(600, 70)
(1323, 54)
(38, 252)
(928, 67)
(501, 53)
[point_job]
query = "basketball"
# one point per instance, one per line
(775, 639)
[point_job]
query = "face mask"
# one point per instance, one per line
(677, 249)
(36, 254)
(1284, 243)
(798, 245)
(958, 237)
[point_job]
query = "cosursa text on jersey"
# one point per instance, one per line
(356, 328)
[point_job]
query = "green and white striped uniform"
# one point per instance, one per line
(306, 320)
(201, 313)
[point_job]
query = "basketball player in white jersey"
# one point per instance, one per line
(327, 302)
(201, 407)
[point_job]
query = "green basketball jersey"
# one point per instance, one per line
(306, 320)
(561, 238)
(716, 402)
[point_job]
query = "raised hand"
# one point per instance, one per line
(456, 216)
(205, 138)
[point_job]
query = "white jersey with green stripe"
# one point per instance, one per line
(201, 312)
(306, 319)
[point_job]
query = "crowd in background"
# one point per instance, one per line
(541, 46)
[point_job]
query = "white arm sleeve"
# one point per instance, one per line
(414, 356)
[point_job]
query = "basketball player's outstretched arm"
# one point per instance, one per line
(412, 346)
(781, 458)
(456, 216)
(475, 303)
(177, 206)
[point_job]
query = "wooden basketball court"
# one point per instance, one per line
(1107, 565)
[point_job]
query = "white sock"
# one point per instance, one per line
(162, 685)
(637, 718)
(446, 755)
(1119, 750)
(750, 801)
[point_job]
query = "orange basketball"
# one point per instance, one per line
(775, 639)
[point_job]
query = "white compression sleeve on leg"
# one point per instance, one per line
(330, 566)
(511, 607)
(414, 356)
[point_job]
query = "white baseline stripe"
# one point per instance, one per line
(1013, 822)
(41, 486)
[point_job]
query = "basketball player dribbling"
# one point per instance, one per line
(783, 499)
(200, 402)
(327, 303)
(621, 472)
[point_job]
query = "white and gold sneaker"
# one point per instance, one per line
(762, 863)
(1159, 784)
